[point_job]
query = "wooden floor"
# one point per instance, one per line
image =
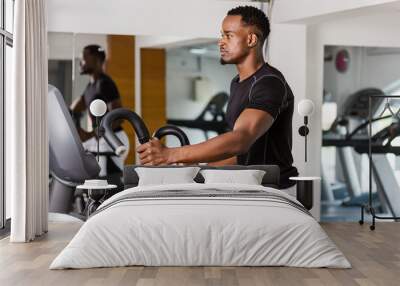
(375, 257)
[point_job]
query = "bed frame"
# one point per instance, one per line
(270, 179)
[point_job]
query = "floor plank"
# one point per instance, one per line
(375, 257)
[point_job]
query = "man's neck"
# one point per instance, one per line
(94, 76)
(249, 66)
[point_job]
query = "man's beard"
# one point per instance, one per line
(227, 62)
(86, 71)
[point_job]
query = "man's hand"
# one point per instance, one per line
(154, 153)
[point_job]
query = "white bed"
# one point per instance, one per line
(224, 225)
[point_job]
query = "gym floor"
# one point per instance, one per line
(374, 255)
(339, 213)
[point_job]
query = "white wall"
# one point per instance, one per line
(381, 68)
(341, 85)
(61, 45)
(289, 51)
(315, 11)
(369, 67)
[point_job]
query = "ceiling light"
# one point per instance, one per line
(198, 51)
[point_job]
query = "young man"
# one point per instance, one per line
(100, 86)
(259, 112)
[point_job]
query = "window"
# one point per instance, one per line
(9, 15)
(6, 43)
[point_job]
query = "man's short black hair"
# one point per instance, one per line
(97, 51)
(254, 17)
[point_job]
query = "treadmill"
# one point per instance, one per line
(356, 140)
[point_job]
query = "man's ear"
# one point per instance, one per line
(252, 40)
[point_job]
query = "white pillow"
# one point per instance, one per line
(248, 177)
(166, 176)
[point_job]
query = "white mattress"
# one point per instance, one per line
(183, 231)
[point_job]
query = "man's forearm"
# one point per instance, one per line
(216, 149)
(250, 125)
(84, 135)
(78, 105)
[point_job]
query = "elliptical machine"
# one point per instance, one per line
(70, 165)
(349, 134)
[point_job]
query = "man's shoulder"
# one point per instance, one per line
(268, 81)
(105, 79)
(269, 78)
(107, 83)
(272, 69)
(269, 72)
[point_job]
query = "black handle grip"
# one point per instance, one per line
(123, 113)
(172, 130)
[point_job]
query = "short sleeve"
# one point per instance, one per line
(267, 94)
(108, 91)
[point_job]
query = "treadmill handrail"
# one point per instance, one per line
(365, 124)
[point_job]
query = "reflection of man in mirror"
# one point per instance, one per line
(259, 112)
(100, 86)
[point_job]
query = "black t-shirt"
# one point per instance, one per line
(266, 90)
(103, 88)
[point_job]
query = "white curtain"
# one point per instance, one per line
(26, 123)
(267, 8)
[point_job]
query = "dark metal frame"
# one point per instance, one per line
(6, 39)
(369, 207)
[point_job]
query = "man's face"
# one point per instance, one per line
(87, 63)
(234, 42)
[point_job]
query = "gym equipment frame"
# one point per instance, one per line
(369, 206)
